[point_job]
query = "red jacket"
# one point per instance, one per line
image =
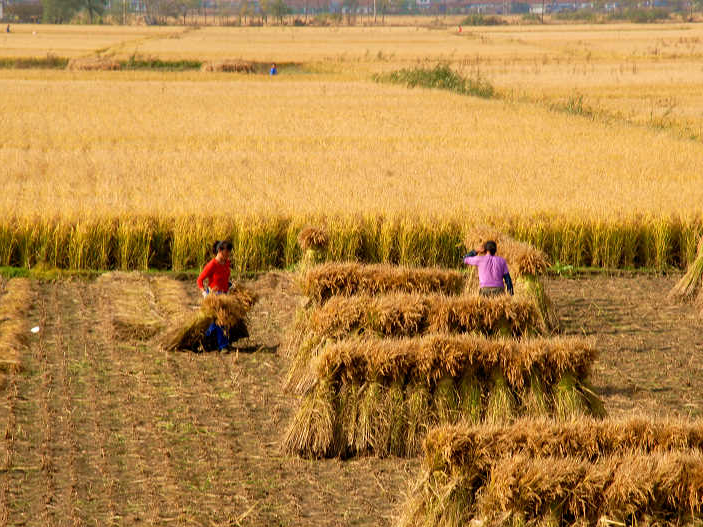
(217, 275)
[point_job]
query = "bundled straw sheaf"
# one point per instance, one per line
(312, 238)
(690, 287)
(346, 279)
(227, 311)
(15, 304)
(523, 259)
(380, 396)
(540, 471)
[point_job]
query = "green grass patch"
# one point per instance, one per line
(440, 77)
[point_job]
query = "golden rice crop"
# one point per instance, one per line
(227, 311)
(404, 315)
(441, 378)
(521, 470)
(15, 303)
(347, 279)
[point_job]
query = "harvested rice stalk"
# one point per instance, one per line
(418, 410)
(396, 417)
(536, 400)
(501, 405)
(93, 64)
(370, 416)
(691, 283)
(470, 404)
(229, 66)
(228, 311)
(531, 287)
(446, 401)
(347, 412)
(311, 433)
(347, 279)
(569, 402)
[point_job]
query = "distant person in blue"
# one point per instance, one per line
(273, 70)
(8, 28)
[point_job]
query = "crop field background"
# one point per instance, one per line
(590, 146)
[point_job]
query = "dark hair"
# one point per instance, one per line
(221, 246)
(491, 247)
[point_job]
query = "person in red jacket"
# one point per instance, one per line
(217, 270)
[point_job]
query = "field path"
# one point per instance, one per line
(106, 431)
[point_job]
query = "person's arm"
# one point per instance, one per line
(470, 259)
(207, 272)
(508, 283)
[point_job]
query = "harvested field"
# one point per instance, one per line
(16, 297)
(347, 279)
(380, 396)
(98, 428)
(635, 470)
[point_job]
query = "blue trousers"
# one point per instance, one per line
(218, 332)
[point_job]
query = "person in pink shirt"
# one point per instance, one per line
(492, 270)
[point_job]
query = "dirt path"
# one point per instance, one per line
(103, 429)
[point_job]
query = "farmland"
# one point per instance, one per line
(591, 148)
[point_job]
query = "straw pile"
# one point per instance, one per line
(690, 287)
(346, 279)
(228, 311)
(405, 315)
(230, 66)
(526, 264)
(536, 471)
(93, 64)
(15, 303)
(380, 396)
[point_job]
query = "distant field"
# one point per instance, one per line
(591, 149)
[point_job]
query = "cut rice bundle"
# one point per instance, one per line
(690, 287)
(523, 258)
(227, 311)
(229, 66)
(442, 379)
(346, 279)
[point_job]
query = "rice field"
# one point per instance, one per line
(136, 169)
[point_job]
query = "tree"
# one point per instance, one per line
(59, 11)
(279, 9)
(94, 8)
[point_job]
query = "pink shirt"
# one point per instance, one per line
(491, 269)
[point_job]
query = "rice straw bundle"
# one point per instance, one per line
(346, 279)
(690, 287)
(623, 469)
(313, 241)
(227, 311)
(229, 66)
(441, 378)
(93, 64)
(407, 315)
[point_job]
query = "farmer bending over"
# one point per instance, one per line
(217, 273)
(492, 270)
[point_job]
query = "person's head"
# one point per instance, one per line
(222, 249)
(491, 247)
(273, 66)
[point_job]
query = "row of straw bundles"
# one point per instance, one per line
(346, 279)
(93, 64)
(227, 311)
(405, 315)
(690, 287)
(229, 66)
(591, 467)
(380, 396)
